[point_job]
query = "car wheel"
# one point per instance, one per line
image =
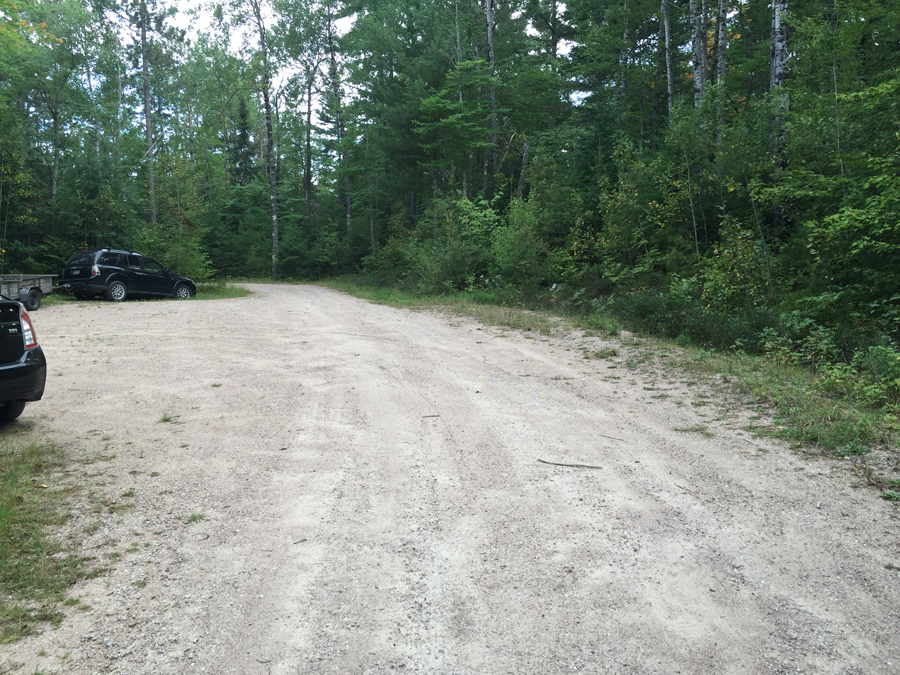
(11, 411)
(116, 291)
(33, 301)
(182, 292)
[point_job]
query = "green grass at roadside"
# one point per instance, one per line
(208, 290)
(804, 412)
(480, 305)
(54, 299)
(212, 290)
(34, 571)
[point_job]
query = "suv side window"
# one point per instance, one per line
(111, 259)
(151, 265)
(133, 261)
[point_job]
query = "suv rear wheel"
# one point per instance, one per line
(116, 291)
(11, 411)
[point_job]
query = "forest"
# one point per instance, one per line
(726, 173)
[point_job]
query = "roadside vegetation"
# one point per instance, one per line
(35, 569)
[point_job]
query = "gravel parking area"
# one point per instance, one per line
(302, 482)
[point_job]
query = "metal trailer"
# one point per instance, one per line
(29, 289)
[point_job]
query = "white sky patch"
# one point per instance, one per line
(579, 97)
(201, 22)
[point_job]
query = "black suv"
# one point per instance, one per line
(120, 274)
(23, 369)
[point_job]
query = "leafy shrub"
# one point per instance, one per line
(872, 377)
(518, 256)
(738, 274)
(674, 317)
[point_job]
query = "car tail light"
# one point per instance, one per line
(28, 331)
(95, 271)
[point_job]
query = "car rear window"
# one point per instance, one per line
(83, 258)
(133, 261)
(109, 259)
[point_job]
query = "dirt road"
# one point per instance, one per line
(349, 488)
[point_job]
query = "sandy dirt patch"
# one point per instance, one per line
(350, 488)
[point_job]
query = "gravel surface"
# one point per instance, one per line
(350, 488)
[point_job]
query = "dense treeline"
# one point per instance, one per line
(724, 171)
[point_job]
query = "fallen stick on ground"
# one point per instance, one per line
(574, 466)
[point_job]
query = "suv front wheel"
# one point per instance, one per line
(116, 291)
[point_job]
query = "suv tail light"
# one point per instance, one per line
(95, 271)
(28, 331)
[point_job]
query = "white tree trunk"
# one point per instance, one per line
(722, 39)
(721, 46)
(148, 122)
(270, 137)
(698, 52)
(778, 75)
(492, 101)
(670, 72)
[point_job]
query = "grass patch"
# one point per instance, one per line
(803, 412)
(220, 290)
(166, 417)
(195, 517)
(851, 449)
(482, 306)
(53, 299)
(35, 571)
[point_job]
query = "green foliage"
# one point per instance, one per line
(177, 238)
(855, 251)
(738, 272)
(454, 123)
(447, 252)
(518, 256)
(872, 377)
(679, 316)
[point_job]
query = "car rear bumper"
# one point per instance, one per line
(80, 287)
(24, 380)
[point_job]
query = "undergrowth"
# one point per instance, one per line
(34, 571)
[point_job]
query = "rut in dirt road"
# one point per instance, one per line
(381, 490)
